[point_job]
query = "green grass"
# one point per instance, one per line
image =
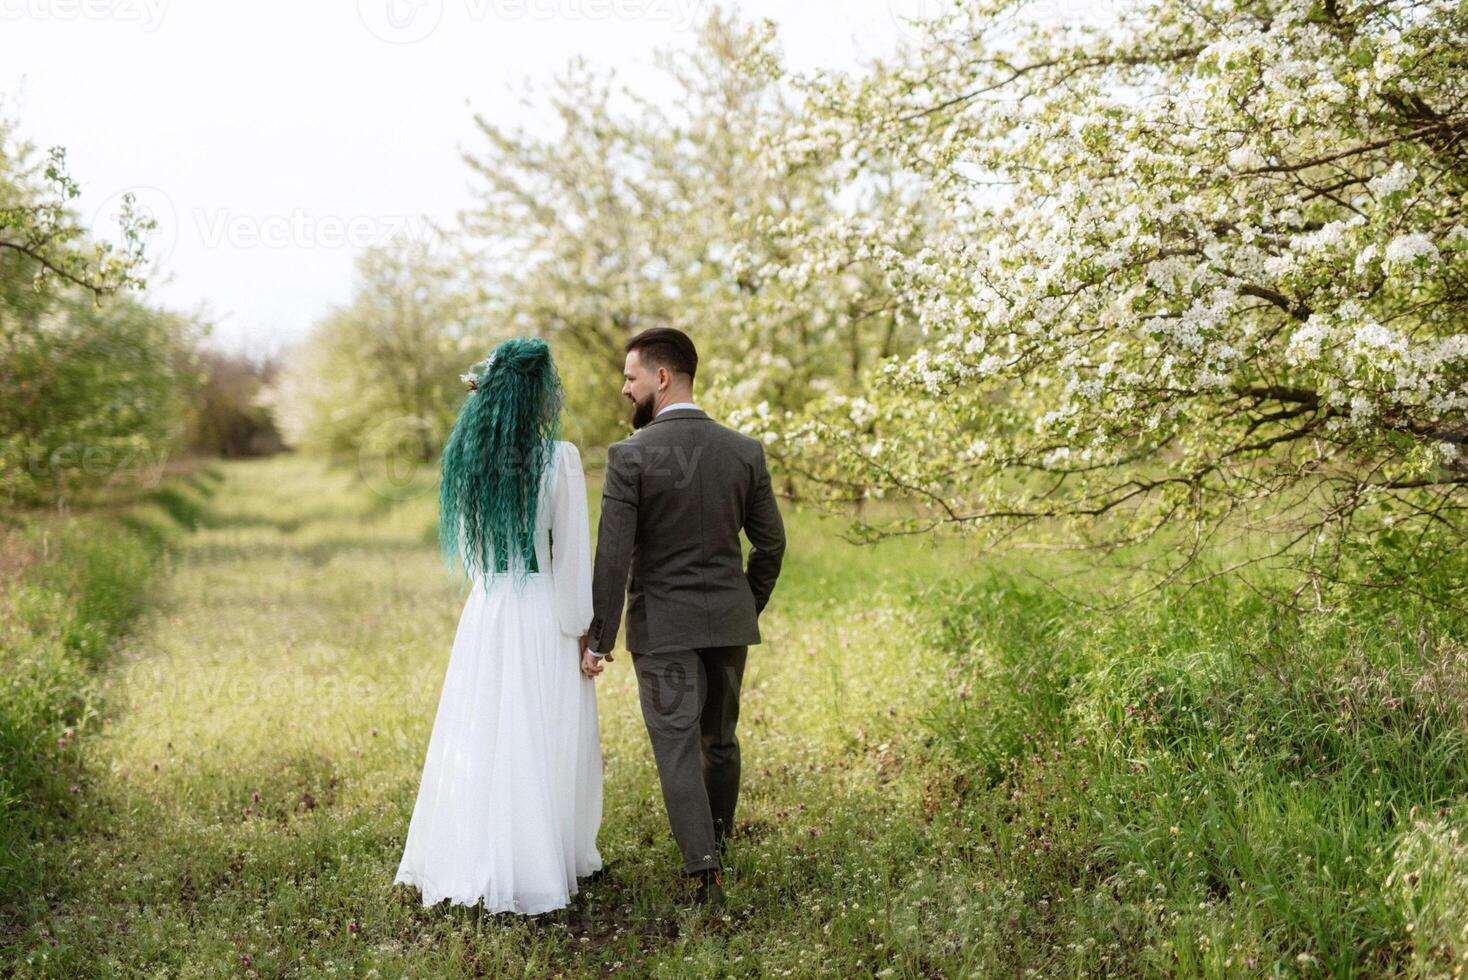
(267, 729)
(1206, 785)
(73, 586)
(948, 771)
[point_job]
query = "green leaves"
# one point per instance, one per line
(94, 384)
(40, 225)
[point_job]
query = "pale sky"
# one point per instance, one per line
(273, 140)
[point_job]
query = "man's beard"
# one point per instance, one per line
(642, 412)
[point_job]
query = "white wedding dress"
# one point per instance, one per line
(511, 795)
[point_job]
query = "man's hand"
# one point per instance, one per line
(590, 665)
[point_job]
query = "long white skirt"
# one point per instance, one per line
(510, 800)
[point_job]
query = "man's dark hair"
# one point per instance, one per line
(666, 347)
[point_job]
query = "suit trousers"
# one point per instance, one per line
(690, 703)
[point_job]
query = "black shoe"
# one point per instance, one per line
(709, 891)
(600, 873)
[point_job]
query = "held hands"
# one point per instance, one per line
(591, 665)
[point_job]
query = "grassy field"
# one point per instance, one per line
(948, 772)
(248, 795)
(72, 582)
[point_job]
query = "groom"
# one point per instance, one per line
(677, 493)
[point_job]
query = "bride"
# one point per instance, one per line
(510, 799)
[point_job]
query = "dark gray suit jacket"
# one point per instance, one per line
(677, 493)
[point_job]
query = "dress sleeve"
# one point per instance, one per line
(571, 544)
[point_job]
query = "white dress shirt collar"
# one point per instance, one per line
(669, 408)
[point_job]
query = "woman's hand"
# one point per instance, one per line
(591, 664)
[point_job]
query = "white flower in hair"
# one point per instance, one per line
(471, 379)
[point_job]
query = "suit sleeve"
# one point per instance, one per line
(766, 533)
(616, 532)
(570, 545)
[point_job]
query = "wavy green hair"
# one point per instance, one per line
(501, 444)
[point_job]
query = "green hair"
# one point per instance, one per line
(495, 457)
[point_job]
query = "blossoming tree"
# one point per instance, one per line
(1206, 270)
(660, 210)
